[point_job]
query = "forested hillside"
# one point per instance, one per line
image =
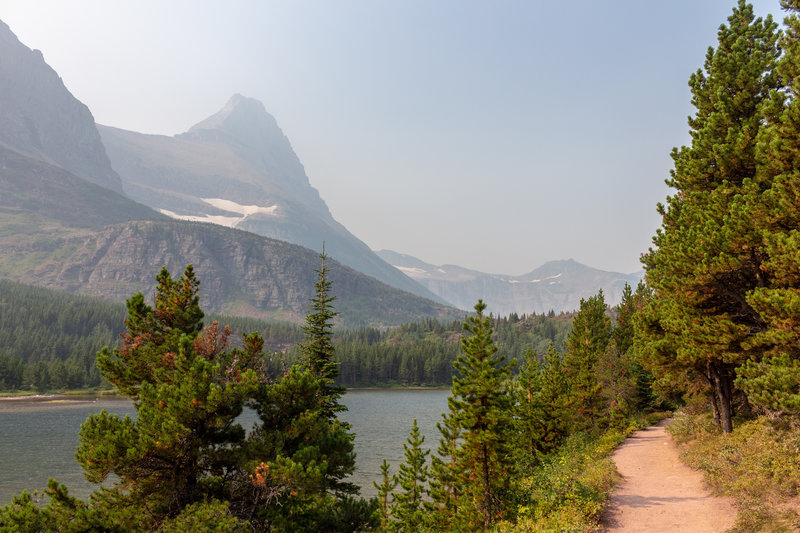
(49, 341)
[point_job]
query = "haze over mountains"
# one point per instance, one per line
(556, 285)
(64, 223)
(237, 169)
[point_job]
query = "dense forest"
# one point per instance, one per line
(49, 341)
(524, 443)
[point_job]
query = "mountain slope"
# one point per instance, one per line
(242, 274)
(60, 231)
(238, 169)
(556, 285)
(34, 186)
(40, 118)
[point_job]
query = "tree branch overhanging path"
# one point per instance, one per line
(659, 493)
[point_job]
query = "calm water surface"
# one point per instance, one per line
(38, 438)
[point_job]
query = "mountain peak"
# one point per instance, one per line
(242, 118)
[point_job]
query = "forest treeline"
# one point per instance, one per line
(49, 341)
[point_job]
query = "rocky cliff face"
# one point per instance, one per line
(241, 273)
(42, 120)
(556, 285)
(237, 168)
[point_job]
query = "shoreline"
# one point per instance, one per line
(10, 397)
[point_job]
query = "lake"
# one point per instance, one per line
(38, 438)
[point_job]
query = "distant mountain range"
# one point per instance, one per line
(237, 169)
(556, 285)
(65, 224)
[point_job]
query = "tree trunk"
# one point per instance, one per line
(723, 390)
(487, 491)
(709, 375)
(715, 407)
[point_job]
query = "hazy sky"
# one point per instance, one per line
(495, 135)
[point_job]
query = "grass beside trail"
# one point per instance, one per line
(758, 466)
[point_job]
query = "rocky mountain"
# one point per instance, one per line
(237, 169)
(556, 285)
(65, 224)
(60, 231)
(241, 273)
(40, 118)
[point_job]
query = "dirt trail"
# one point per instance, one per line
(659, 493)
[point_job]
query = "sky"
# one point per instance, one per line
(494, 135)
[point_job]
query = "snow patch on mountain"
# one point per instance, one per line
(244, 210)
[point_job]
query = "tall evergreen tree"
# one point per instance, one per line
(772, 381)
(385, 488)
(542, 409)
(588, 340)
(707, 255)
(317, 350)
(188, 388)
(481, 404)
(312, 448)
(409, 506)
(444, 488)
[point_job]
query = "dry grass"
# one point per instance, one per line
(758, 465)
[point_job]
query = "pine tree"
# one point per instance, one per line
(444, 488)
(188, 388)
(772, 381)
(480, 405)
(385, 488)
(588, 340)
(317, 350)
(309, 450)
(707, 255)
(408, 508)
(542, 410)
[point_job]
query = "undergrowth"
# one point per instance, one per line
(758, 465)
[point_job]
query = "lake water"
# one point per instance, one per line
(38, 438)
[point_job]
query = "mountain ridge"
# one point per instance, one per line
(40, 118)
(556, 285)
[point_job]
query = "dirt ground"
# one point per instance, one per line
(659, 493)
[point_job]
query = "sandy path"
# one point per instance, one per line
(659, 493)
